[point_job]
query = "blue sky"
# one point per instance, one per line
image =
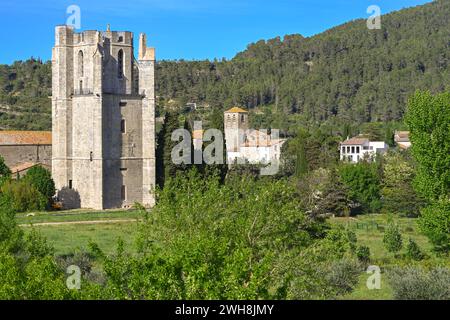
(179, 29)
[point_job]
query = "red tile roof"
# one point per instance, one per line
(355, 141)
(25, 137)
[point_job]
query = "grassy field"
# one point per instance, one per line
(76, 215)
(72, 237)
(369, 230)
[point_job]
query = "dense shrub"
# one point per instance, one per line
(413, 251)
(21, 196)
(41, 179)
(363, 254)
(343, 275)
(413, 283)
(363, 182)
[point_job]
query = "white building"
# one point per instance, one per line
(358, 148)
(253, 146)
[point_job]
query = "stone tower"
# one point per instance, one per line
(103, 119)
(236, 126)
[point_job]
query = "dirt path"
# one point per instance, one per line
(77, 222)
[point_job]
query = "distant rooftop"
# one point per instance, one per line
(356, 141)
(25, 137)
(402, 136)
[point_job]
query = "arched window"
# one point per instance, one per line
(80, 64)
(120, 63)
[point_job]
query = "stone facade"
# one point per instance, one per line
(103, 119)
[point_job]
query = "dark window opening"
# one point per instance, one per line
(120, 64)
(91, 156)
(70, 184)
(122, 126)
(123, 169)
(120, 39)
(80, 64)
(123, 193)
(122, 103)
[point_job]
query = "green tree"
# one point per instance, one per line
(363, 182)
(413, 251)
(428, 119)
(434, 222)
(41, 179)
(165, 167)
(301, 163)
(392, 238)
(398, 193)
(4, 170)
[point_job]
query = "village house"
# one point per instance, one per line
(253, 146)
(358, 148)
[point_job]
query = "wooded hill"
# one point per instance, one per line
(348, 72)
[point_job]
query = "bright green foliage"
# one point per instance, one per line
(398, 193)
(392, 238)
(435, 224)
(21, 196)
(428, 118)
(363, 182)
(209, 241)
(41, 179)
(26, 264)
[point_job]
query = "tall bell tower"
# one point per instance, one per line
(103, 119)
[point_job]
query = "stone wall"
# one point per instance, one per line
(18, 154)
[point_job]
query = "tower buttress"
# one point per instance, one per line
(147, 90)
